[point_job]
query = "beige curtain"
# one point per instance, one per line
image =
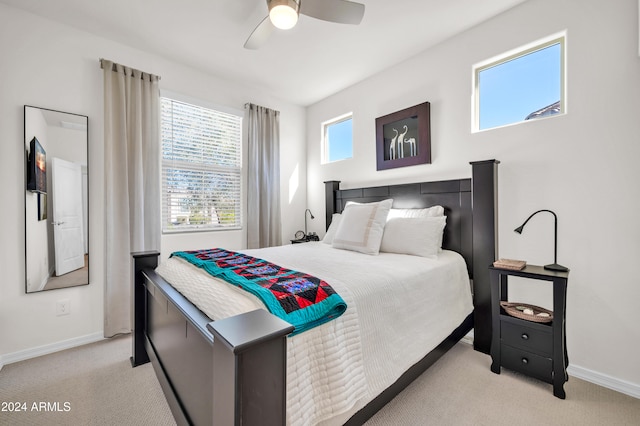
(132, 183)
(264, 228)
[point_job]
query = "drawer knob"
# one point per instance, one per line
(525, 361)
(525, 336)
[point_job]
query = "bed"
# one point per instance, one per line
(237, 367)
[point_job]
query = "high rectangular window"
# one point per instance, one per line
(201, 168)
(521, 85)
(337, 139)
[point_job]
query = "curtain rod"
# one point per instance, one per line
(115, 69)
(250, 104)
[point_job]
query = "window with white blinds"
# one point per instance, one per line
(201, 168)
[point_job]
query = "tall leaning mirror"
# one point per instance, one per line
(56, 199)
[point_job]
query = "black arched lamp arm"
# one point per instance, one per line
(554, 266)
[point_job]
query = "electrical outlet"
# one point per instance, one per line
(63, 307)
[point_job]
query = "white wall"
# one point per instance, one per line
(49, 65)
(37, 271)
(68, 144)
(582, 165)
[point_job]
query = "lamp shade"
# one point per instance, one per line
(284, 13)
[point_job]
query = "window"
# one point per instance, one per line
(201, 168)
(521, 85)
(337, 139)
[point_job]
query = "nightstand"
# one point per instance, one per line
(536, 349)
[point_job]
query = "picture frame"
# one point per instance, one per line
(403, 138)
(36, 167)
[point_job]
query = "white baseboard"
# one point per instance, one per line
(613, 383)
(50, 348)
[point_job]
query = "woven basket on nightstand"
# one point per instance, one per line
(511, 309)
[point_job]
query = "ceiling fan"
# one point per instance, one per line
(283, 14)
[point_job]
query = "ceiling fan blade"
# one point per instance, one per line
(260, 35)
(340, 11)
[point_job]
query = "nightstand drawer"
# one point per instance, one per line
(535, 339)
(527, 363)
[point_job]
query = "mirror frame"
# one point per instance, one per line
(47, 201)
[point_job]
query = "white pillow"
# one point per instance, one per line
(426, 212)
(331, 232)
(361, 226)
(419, 236)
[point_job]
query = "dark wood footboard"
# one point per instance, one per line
(207, 367)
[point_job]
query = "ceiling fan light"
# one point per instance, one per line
(283, 13)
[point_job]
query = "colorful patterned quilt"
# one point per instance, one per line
(298, 298)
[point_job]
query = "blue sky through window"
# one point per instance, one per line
(339, 140)
(509, 91)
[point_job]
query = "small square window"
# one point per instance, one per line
(337, 139)
(519, 86)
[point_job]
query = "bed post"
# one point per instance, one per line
(330, 188)
(141, 260)
(249, 378)
(485, 246)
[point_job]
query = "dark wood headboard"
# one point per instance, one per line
(471, 209)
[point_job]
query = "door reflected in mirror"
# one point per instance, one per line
(56, 199)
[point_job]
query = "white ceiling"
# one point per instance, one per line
(303, 65)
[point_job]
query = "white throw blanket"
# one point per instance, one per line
(399, 307)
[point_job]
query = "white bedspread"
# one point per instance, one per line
(400, 307)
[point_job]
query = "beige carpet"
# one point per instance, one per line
(96, 381)
(461, 390)
(70, 279)
(101, 388)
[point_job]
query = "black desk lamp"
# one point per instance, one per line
(554, 266)
(305, 220)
